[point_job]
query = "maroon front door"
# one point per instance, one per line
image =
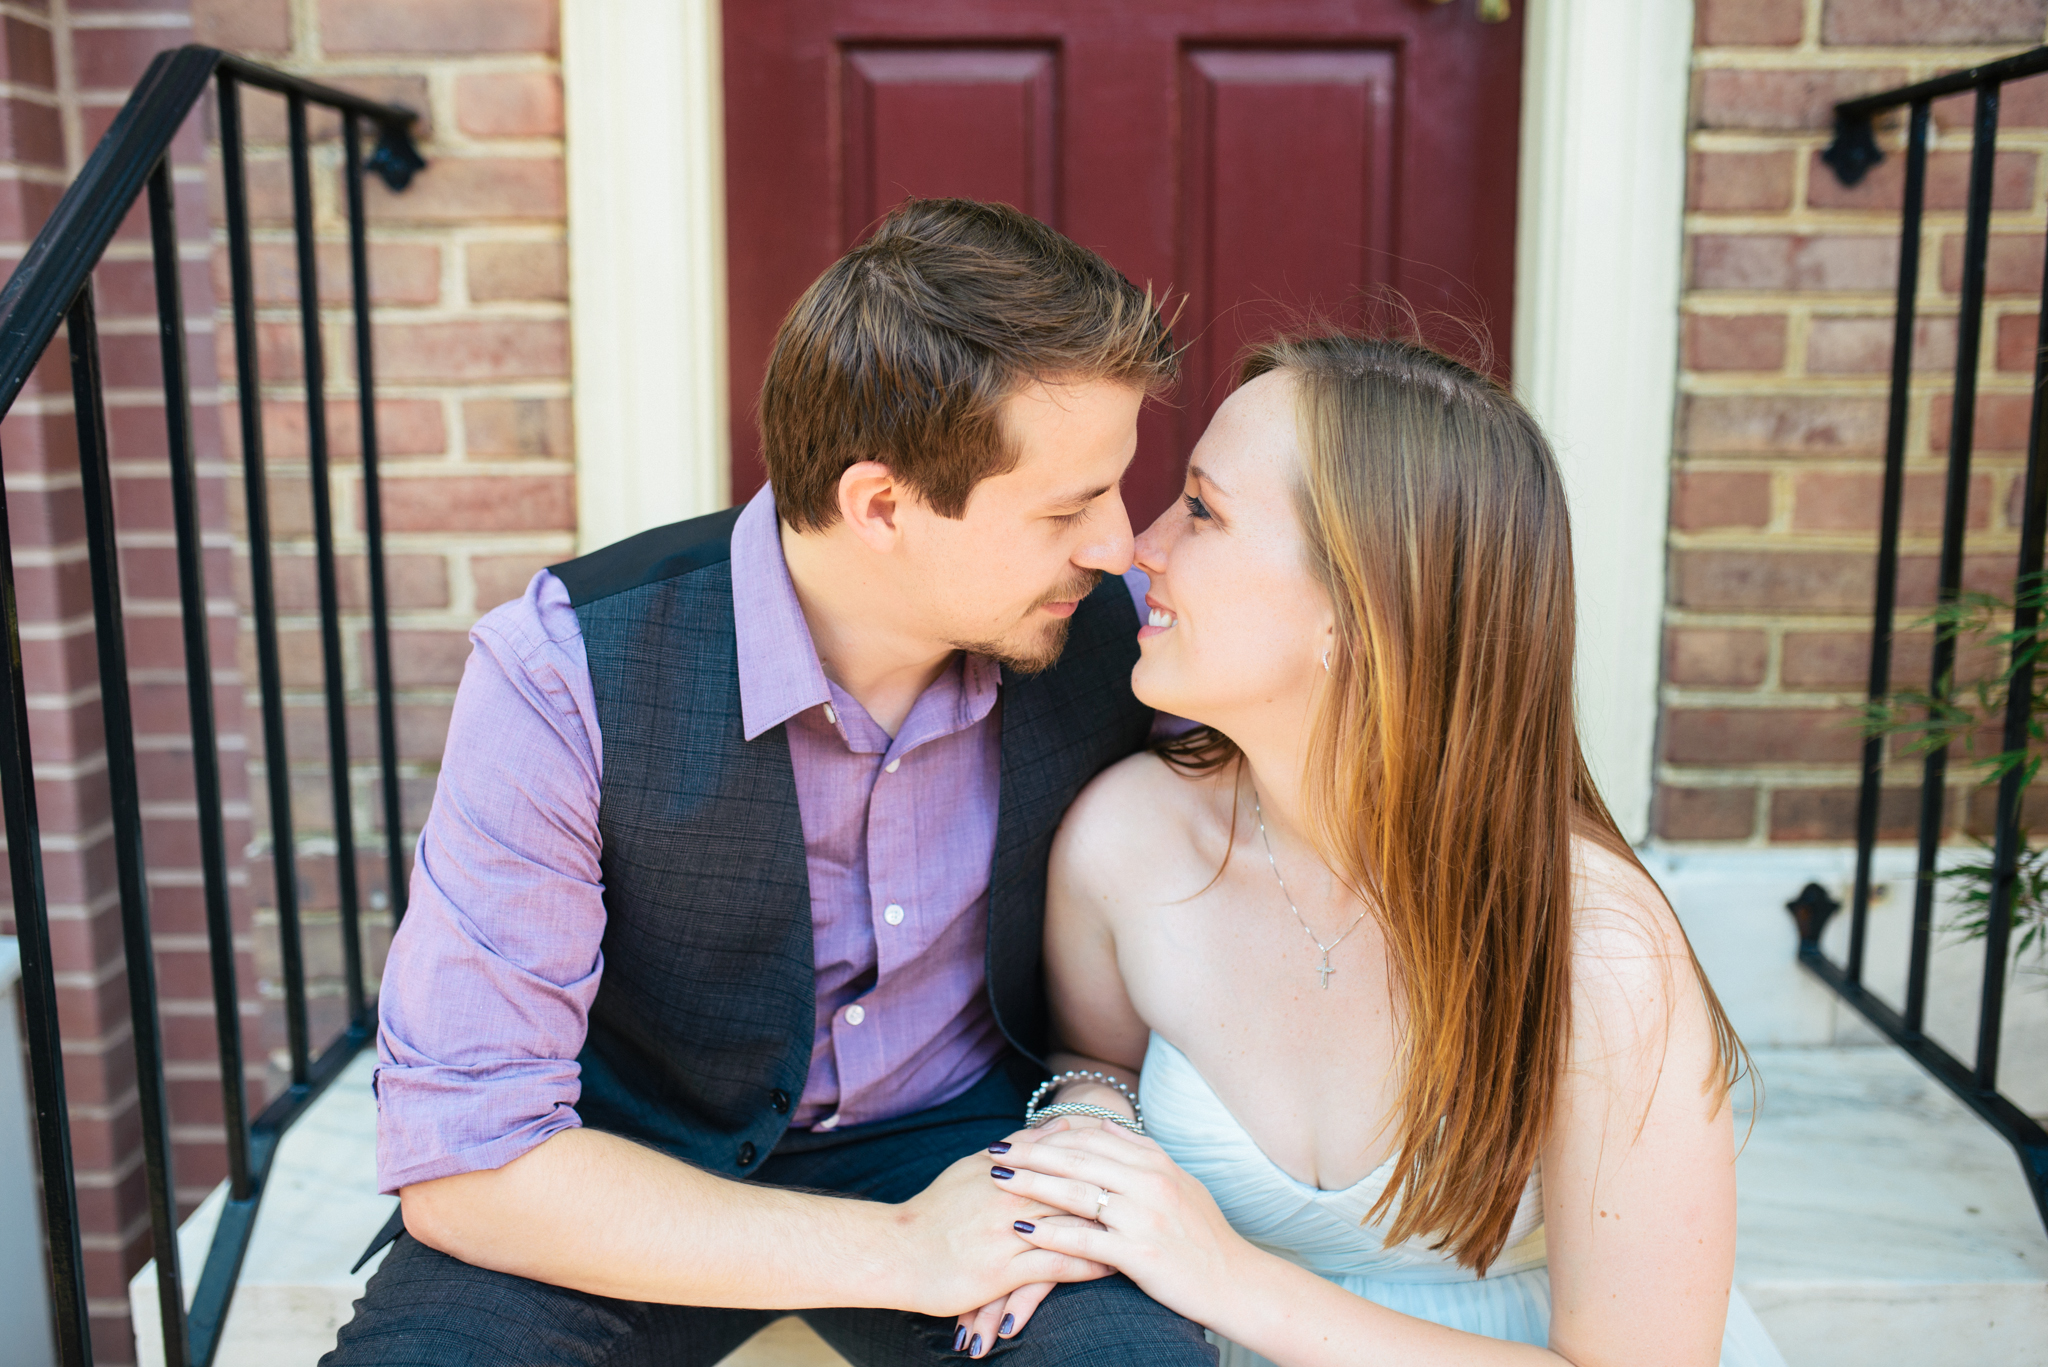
(1269, 162)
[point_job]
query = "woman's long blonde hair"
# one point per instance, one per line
(1445, 780)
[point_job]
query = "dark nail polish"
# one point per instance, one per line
(974, 1348)
(1000, 1146)
(1001, 1174)
(960, 1339)
(1009, 1323)
(1023, 1226)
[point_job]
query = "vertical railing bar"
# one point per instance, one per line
(125, 799)
(373, 522)
(262, 592)
(1870, 799)
(73, 1321)
(339, 786)
(1955, 515)
(206, 789)
(2008, 837)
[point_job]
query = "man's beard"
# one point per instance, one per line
(1042, 654)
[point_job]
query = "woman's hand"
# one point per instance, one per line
(1159, 1226)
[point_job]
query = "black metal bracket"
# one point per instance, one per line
(1810, 911)
(1854, 150)
(395, 159)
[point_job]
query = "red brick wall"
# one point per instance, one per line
(1786, 348)
(471, 329)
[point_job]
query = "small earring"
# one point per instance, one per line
(1326, 662)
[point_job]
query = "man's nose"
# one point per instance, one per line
(1110, 549)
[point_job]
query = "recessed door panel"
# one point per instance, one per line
(1287, 199)
(974, 122)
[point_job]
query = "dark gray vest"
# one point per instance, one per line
(700, 1036)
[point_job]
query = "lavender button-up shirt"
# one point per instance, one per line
(488, 988)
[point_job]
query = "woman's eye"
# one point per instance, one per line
(1196, 508)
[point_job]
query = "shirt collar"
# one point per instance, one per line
(779, 671)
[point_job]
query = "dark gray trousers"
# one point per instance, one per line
(426, 1309)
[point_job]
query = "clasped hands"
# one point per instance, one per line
(1101, 1199)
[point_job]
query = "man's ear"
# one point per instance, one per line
(870, 500)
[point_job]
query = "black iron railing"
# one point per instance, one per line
(1852, 154)
(52, 286)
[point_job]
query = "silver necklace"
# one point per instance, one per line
(1324, 969)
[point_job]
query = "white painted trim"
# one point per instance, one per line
(1597, 266)
(645, 108)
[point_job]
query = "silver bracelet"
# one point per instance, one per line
(1034, 1119)
(1032, 1113)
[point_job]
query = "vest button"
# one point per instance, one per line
(779, 1099)
(747, 1154)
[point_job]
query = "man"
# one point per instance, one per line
(728, 907)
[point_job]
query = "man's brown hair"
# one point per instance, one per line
(904, 351)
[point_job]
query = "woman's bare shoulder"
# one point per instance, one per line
(1632, 966)
(1138, 820)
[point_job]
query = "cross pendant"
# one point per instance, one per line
(1325, 970)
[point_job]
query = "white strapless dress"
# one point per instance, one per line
(1325, 1231)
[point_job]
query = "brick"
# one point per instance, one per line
(1705, 813)
(1863, 346)
(1750, 23)
(2019, 341)
(2002, 421)
(492, 349)
(1706, 657)
(455, 27)
(480, 503)
(1849, 501)
(1931, 23)
(1948, 182)
(1702, 500)
(430, 659)
(1782, 262)
(517, 427)
(1774, 423)
(26, 55)
(1839, 661)
(471, 190)
(501, 578)
(25, 206)
(248, 26)
(1735, 182)
(31, 132)
(405, 427)
(412, 583)
(1784, 101)
(2012, 265)
(1750, 341)
(115, 58)
(1829, 814)
(2022, 104)
(1760, 735)
(517, 271)
(400, 273)
(1980, 809)
(513, 104)
(1805, 581)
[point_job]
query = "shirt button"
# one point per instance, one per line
(856, 1014)
(892, 765)
(830, 715)
(893, 914)
(747, 1154)
(779, 1099)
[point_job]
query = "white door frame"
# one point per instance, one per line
(1599, 236)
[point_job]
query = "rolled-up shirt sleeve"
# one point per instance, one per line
(487, 991)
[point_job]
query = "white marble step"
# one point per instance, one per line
(1880, 1222)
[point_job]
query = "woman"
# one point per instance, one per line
(1429, 1073)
